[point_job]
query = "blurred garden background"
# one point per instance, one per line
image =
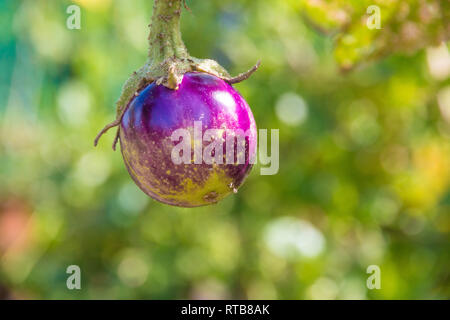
(364, 178)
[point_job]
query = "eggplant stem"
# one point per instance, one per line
(186, 6)
(116, 139)
(104, 130)
(113, 124)
(243, 76)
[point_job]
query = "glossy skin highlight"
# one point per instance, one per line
(145, 137)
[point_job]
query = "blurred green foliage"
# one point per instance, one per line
(364, 173)
(405, 26)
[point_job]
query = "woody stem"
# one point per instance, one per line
(165, 36)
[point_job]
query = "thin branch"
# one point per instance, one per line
(105, 129)
(113, 124)
(116, 139)
(243, 76)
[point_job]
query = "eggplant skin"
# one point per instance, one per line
(156, 112)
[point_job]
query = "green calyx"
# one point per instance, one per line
(168, 60)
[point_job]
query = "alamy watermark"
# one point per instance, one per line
(74, 20)
(374, 20)
(74, 280)
(240, 147)
(374, 280)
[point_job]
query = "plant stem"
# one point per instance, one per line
(165, 36)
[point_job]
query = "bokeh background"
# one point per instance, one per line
(364, 178)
